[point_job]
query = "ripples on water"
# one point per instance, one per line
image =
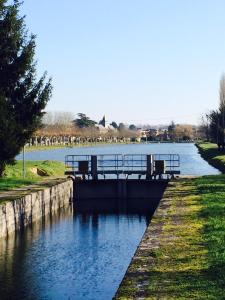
(77, 254)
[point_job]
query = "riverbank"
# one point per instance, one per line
(182, 254)
(210, 153)
(78, 145)
(35, 171)
(96, 144)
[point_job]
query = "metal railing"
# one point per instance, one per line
(121, 164)
(110, 163)
(72, 162)
(172, 161)
(135, 162)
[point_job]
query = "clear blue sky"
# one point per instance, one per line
(138, 61)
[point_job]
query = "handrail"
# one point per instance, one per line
(122, 163)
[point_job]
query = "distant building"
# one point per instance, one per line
(102, 122)
(103, 127)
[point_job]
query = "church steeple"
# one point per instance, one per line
(103, 122)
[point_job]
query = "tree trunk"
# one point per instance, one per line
(2, 169)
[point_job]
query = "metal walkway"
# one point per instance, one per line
(147, 165)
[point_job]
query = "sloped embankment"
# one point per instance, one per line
(212, 155)
(182, 254)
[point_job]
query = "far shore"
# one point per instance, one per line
(96, 144)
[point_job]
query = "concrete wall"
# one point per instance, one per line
(122, 188)
(16, 214)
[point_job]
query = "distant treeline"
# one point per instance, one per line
(62, 128)
(213, 123)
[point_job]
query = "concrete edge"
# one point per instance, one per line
(150, 239)
(39, 201)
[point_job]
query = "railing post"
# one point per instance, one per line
(149, 170)
(94, 167)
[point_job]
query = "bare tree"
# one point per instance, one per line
(184, 132)
(62, 118)
(222, 101)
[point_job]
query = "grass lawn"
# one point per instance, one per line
(183, 253)
(210, 152)
(14, 174)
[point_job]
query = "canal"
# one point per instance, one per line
(82, 253)
(191, 161)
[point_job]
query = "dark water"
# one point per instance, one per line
(191, 161)
(76, 254)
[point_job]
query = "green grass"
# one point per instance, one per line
(210, 152)
(212, 191)
(40, 148)
(14, 173)
(86, 144)
(189, 260)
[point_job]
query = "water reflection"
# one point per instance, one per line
(78, 253)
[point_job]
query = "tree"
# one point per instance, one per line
(132, 127)
(222, 106)
(113, 124)
(184, 132)
(59, 117)
(203, 128)
(22, 97)
(216, 118)
(171, 130)
(83, 121)
(216, 127)
(121, 127)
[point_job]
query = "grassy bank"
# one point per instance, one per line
(35, 171)
(183, 253)
(211, 154)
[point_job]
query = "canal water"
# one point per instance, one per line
(190, 159)
(75, 254)
(82, 253)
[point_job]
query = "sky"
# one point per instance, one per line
(135, 61)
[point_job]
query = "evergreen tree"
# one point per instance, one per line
(114, 124)
(22, 96)
(132, 127)
(83, 121)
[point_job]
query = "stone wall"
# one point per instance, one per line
(18, 213)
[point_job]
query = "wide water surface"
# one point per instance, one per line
(190, 159)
